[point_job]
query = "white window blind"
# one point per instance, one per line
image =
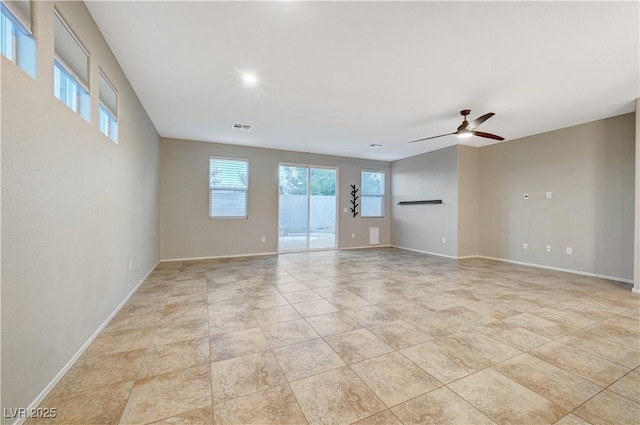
(21, 10)
(70, 51)
(108, 95)
(372, 183)
(228, 187)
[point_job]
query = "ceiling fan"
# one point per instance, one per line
(467, 129)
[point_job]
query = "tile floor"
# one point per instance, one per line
(377, 336)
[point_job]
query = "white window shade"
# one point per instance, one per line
(69, 50)
(21, 9)
(108, 95)
(228, 188)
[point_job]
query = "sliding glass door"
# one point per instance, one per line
(307, 208)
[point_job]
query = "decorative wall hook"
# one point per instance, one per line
(354, 205)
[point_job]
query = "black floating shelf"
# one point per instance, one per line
(434, 201)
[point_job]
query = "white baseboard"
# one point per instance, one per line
(365, 247)
(539, 266)
(430, 253)
(215, 257)
(559, 269)
(34, 404)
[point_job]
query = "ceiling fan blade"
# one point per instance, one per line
(473, 124)
(433, 137)
(487, 135)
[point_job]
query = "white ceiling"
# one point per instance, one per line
(335, 77)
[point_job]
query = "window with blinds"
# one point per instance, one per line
(372, 184)
(16, 40)
(70, 69)
(228, 188)
(107, 109)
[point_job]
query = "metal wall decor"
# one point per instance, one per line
(354, 204)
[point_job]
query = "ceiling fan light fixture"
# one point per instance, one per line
(464, 134)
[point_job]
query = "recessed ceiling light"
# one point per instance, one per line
(375, 145)
(249, 79)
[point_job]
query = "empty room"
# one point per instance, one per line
(314, 213)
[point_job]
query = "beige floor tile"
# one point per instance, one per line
(244, 375)
(102, 405)
(272, 315)
(441, 406)
(100, 371)
(544, 327)
(357, 345)
(602, 346)
(175, 356)
(236, 344)
(275, 406)
(370, 315)
(458, 355)
(508, 333)
(335, 397)
(333, 323)
(572, 419)
(399, 334)
(231, 322)
(179, 331)
(122, 341)
(301, 296)
(202, 416)
(506, 401)
(287, 333)
(383, 418)
(395, 379)
(590, 367)
(314, 308)
(349, 302)
(267, 301)
(307, 358)
(628, 386)
(290, 287)
(563, 388)
(609, 408)
(167, 395)
(451, 318)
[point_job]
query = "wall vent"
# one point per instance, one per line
(241, 127)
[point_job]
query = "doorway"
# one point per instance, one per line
(307, 207)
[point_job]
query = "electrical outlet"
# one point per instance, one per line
(344, 210)
(444, 240)
(264, 239)
(549, 195)
(569, 250)
(353, 236)
(525, 246)
(548, 248)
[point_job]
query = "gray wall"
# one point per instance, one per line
(433, 175)
(468, 200)
(589, 169)
(187, 231)
(75, 209)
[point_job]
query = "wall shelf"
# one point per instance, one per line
(434, 201)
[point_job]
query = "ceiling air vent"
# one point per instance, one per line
(241, 127)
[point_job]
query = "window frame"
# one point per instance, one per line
(381, 196)
(244, 189)
(82, 103)
(16, 39)
(105, 114)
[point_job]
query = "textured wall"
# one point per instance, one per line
(589, 169)
(433, 175)
(187, 231)
(75, 209)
